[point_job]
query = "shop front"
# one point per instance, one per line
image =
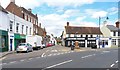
(19, 38)
(3, 41)
(82, 41)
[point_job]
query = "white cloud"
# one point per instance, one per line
(63, 3)
(94, 13)
(58, 3)
(99, 14)
(113, 10)
(23, 3)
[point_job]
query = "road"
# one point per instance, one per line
(59, 57)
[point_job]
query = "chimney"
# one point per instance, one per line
(117, 24)
(12, 1)
(30, 10)
(67, 23)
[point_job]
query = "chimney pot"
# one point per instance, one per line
(117, 24)
(67, 23)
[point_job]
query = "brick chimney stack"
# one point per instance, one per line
(12, 1)
(67, 23)
(117, 24)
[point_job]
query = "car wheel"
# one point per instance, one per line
(27, 51)
(17, 51)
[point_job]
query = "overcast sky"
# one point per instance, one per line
(53, 14)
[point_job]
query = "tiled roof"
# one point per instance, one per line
(82, 30)
(112, 28)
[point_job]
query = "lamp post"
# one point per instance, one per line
(99, 29)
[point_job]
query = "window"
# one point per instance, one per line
(22, 28)
(23, 16)
(118, 33)
(17, 27)
(27, 17)
(26, 30)
(113, 41)
(81, 35)
(30, 30)
(86, 36)
(114, 33)
(91, 35)
(11, 25)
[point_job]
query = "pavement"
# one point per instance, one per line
(3, 54)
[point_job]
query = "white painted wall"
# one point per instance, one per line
(21, 22)
(4, 21)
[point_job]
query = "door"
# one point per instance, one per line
(11, 41)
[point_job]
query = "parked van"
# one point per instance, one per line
(35, 41)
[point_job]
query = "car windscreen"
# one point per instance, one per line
(22, 44)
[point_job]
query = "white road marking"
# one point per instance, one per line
(30, 58)
(86, 56)
(59, 64)
(106, 51)
(13, 62)
(112, 65)
(0, 64)
(61, 53)
(54, 54)
(43, 55)
(117, 61)
(22, 60)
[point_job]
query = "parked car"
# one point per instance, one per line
(24, 47)
(49, 44)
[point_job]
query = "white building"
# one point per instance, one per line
(85, 36)
(4, 26)
(111, 34)
(18, 29)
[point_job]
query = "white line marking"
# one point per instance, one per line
(59, 64)
(47, 50)
(2, 58)
(61, 53)
(112, 65)
(54, 54)
(13, 61)
(22, 60)
(43, 55)
(117, 61)
(30, 58)
(0, 64)
(86, 56)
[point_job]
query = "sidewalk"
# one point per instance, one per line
(3, 54)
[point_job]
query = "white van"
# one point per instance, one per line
(35, 41)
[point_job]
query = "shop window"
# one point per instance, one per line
(113, 41)
(2, 45)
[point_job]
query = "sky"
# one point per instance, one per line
(54, 14)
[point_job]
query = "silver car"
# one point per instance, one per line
(24, 47)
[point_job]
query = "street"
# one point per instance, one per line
(63, 57)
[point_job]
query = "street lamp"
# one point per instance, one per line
(99, 29)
